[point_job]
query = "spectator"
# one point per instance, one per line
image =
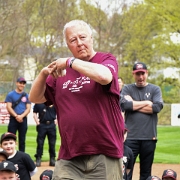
(121, 83)
(45, 118)
(169, 174)
(46, 175)
(141, 102)
(128, 158)
(22, 161)
(18, 107)
(3, 155)
(7, 171)
(86, 99)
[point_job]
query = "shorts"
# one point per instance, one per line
(94, 167)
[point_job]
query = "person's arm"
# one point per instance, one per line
(55, 121)
(20, 117)
(94, 71)
(157, 103)
(127, 171)
(27, 111)
(147, 106)
(38, 87)
(33, 172)
(130, 162)
(36, 118)
(10, 109)
(141, 106)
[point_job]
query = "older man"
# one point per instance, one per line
(86, 98)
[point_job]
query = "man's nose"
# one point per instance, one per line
(141, 75)
(79, 42)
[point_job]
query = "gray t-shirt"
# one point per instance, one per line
(141, 126)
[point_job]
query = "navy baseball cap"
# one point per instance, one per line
(139, 67)
(4, 153)
(169, 173)
(7, 165)
(7, 135)
(46, 175)
(153, 178)
(21, 79)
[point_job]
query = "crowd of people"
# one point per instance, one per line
(103, 124)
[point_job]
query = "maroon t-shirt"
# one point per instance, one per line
(89, 116)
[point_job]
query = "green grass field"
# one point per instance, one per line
(168, 145)
(167, 149)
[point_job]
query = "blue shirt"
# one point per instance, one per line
(13, 96)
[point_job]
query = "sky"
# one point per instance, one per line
(113, 4)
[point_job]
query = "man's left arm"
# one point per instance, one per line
(145, 108)
(95, 71)
(141, 106)
(156, 105)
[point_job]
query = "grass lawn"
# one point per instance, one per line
(168, 145)
(167, 149)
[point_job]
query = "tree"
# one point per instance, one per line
(31, 34)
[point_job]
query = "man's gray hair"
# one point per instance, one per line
(76, 23)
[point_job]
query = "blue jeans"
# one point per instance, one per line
(145, 149)
(15, 126)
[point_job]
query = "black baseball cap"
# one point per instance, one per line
(139, 67)
(7, 165)
(21, 79)
(7, 135)
(46, 175)
(169, 173)
(4, 153)
(153, 178)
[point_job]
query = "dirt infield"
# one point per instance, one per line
(156, 170)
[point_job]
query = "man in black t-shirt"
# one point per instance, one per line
(45, 118)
